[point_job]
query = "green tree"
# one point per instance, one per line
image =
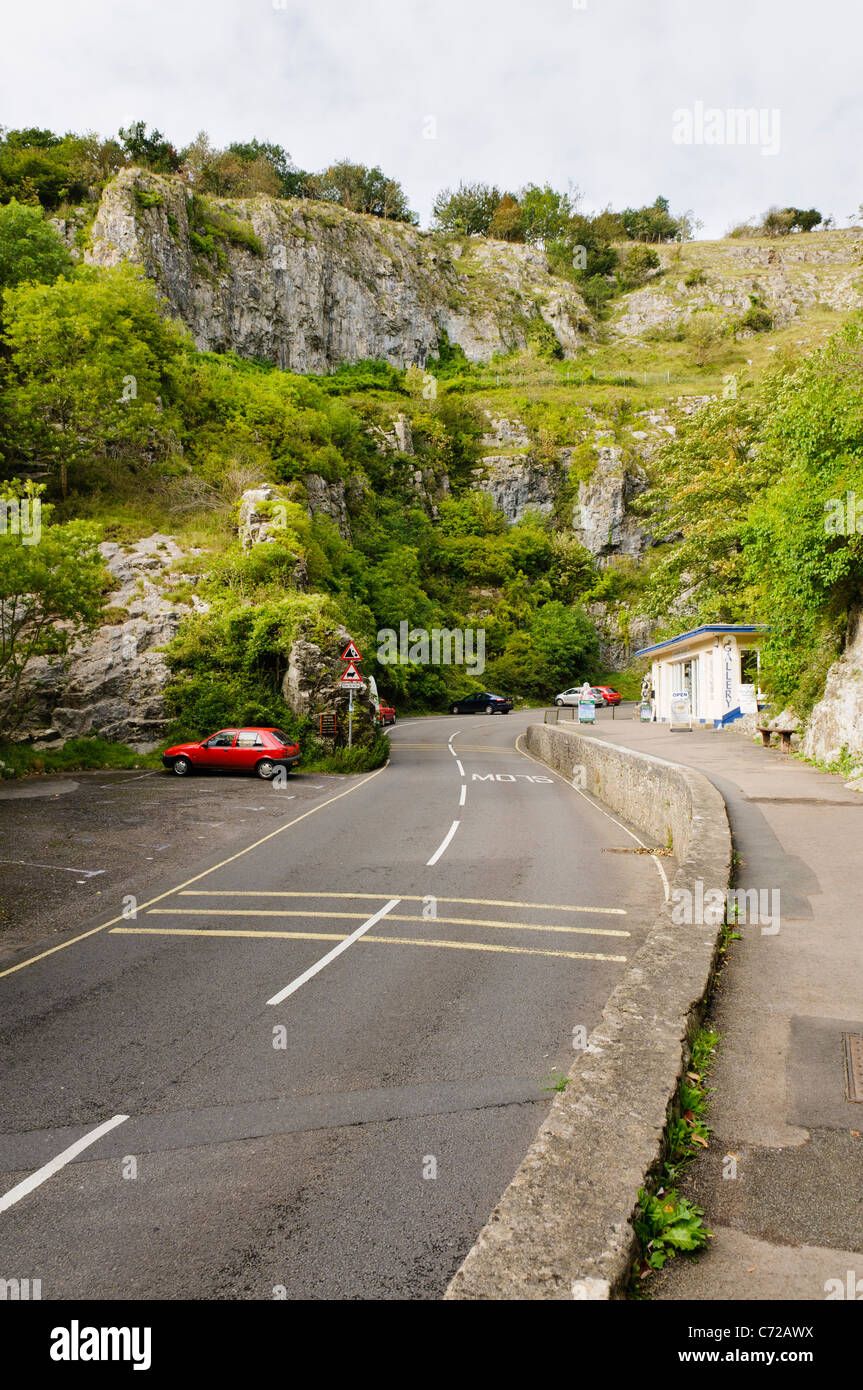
(506, 223)
(361, 189)
(636, 265)
(468, 210)
(37, 166)
(152, 150)
(566, 642)
(89, 359)
(545, 214)
(30, 248)
(50, 593)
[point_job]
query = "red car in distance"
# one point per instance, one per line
(386, 714)
(611, 697)
(262, 751)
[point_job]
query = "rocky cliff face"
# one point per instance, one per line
(836, 722)
(308, 285)
(727, 277)
(112, 685)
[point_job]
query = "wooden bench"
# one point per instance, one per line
(784, 738)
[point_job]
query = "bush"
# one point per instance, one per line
(636, 266)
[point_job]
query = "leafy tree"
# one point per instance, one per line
(545, 214)
(783, 221)
(89, 359)
(152, 150)
(242, 170)
(360, 189)
(636, 265)
(653, 223)
(506, 223)
(30, 248)
(37, 166)
(50, 593)
(468, 210)
(566, 641)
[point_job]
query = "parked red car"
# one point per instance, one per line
(386, 714)
(235, 750)
(611, 697)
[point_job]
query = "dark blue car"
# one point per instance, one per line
(484, 703)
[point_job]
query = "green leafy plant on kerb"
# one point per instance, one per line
(667, 1222)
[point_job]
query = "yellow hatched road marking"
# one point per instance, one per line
(403, 897)
(391, 916)
(379, 940)
(94, 931)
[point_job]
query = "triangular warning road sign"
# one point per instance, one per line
(351, 676)
(351, 653)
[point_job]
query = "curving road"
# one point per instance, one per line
(320, 1050)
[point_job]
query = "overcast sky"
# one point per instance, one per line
(518, 90)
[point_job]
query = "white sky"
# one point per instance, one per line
(521, 90)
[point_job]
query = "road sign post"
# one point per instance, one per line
(352, 679)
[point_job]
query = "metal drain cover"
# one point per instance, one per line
(853, 1065)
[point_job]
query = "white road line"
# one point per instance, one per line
(452, 750)
(331, 955)
(462, 794)
(446, 839)
(60, 868)
(42, 1174)
(459, 766)
(455, 735)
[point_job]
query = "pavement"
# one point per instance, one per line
(782, 1181)
(294, 1043)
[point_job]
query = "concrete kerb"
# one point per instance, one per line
(562, 1228)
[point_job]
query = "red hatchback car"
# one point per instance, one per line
(235, 750)
(611, 697)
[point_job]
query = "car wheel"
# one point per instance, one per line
(265, 768)
(489, 709)
(454, 709)
(558, 702)
(181, 766)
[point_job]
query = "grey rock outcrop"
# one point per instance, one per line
(836, 721)
(111, 684)
(328, 499)
(602, 521)
(620, 633)
(518, 485)
(309, 285)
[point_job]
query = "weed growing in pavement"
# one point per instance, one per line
(555, 1081)
(665, 1221)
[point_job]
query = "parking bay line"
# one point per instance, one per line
(59, 1161)
(94, 931)
(403, 897)
(331, 955)
(394, 917)
(376, 940)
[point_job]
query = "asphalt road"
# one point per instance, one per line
(308, 1115)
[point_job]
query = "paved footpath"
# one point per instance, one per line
(792, 1217)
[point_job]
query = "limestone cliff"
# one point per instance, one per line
(309, 285)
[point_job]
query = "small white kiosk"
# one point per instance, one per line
(715, 667)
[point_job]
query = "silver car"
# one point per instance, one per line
(573, 695)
